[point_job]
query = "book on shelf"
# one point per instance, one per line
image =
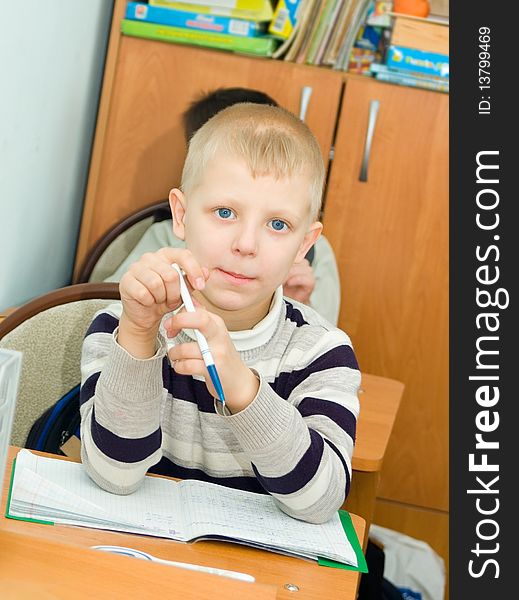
(340, 28)
(139, 11)
(309, 33)
(285, 17)
(258, 45)
(361, 60)
(405, 77)
(411, 59)
(379, 15)
(255, 10)
(300, 31)
(58, 491)
(358, 17)
(420, 34)
(323, 25)
(328, 33)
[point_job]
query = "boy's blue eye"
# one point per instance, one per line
(224, 213)
(278, 225)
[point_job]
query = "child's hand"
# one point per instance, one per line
(150, 289)
(300, 282)
(239, 383)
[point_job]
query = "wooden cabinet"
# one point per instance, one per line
(390, 235)
(389, 232)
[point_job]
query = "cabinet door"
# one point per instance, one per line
(139, 153)
(390, 234)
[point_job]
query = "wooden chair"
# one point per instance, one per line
(49, 332)
(115, 245)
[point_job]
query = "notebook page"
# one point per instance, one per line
(30, 490)
(211, 509)
(153, 508)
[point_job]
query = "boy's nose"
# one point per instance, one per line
(246, 242)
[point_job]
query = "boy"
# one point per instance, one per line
(314, 281)
(250, 195)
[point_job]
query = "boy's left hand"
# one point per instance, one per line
(300, 282)
(239, 383)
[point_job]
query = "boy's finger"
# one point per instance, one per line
(188, 263)
(187, 351)
(190, 367)
(200, 320)
(135, 290)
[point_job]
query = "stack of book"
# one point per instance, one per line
(234, 25)
(324, 32)
(418, 55)
(371, 38)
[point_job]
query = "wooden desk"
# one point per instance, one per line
(47, 561)
(379, 402)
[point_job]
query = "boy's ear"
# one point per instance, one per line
(311, 235)
(177, 203)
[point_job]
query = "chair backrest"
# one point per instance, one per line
(49, 332)
(115, 245)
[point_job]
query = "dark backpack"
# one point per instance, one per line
(56, 425)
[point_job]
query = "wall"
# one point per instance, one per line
(51, 75)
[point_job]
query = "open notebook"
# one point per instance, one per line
(59, 491)
(10, 368)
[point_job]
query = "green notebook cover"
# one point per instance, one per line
(346, 522)
(260, 46)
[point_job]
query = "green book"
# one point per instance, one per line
(260, 46)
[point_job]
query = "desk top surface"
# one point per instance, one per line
(46, 559)
(379, 399)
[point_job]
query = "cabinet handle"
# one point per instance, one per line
(305, 101)
(373, 113)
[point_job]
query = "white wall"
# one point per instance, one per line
(52, 63)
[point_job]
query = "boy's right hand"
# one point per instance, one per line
(150, 289)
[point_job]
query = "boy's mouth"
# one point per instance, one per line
(236, 278)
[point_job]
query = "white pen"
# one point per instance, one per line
(202, 342)
(200, 568)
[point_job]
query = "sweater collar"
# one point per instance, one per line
(261, 333)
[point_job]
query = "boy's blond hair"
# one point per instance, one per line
(271, 141)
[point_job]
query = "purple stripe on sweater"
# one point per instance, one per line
(171, 469)
(337, 413)
(301, 474)
(344, 465)
(124, 449)
(340, 356)
(184, 387)
(88, 389)
(104, 323)
(294, 315)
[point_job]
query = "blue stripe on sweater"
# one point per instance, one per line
(301, 474)
(103, 323)
(169, 468)
(340, 356)
(294, 315)
(345, 466)
(88, 388)
(122, 449)
(344, 418)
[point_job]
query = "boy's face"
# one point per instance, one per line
(248, 232)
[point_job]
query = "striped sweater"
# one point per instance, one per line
(294, 441)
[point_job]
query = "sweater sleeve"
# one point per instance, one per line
(300, 438)
(120, 408)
